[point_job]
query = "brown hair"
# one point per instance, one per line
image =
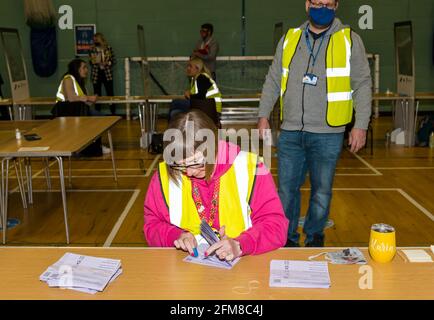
(189, 148)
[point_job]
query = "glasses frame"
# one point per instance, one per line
(183, 168)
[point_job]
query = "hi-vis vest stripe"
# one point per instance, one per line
(77, 89)
(212, 93)
(236, 187)
(338, 67)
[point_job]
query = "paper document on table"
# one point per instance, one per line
(82, 273)
(211, 238)
(432, 249)
(33, 149)
(299, 274)
(417, 256)
(210, 261)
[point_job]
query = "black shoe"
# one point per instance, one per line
(317, 242)
(292, 244)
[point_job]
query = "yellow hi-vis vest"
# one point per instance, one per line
(339, 91)
(60, 96)
(236, 187)
(212, 93)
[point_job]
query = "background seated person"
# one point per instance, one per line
(73, 101)
(247, 213)
(203, 94)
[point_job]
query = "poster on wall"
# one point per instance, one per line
(84, 38)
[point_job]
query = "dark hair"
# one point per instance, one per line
(208, 26)
(73, 70)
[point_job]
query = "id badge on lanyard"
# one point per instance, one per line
(310, 79)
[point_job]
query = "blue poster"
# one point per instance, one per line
(84, 38)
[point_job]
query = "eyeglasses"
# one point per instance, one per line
(319, 5)
(183, 168)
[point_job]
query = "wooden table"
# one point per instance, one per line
(155, 274)
(7, 133)
(64, 137)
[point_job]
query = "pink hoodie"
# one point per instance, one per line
(269, 224)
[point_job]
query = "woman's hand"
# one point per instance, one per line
(187, 94)
(187, 242)
(226, 249)
(91, 99)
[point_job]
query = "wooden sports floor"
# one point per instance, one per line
(394, 186)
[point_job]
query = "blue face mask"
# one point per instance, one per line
(322, 17)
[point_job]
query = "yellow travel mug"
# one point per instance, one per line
(382, 243)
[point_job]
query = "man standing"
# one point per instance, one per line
(320, 71)
(207, 48)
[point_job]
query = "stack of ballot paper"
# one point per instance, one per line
(212, 261)
(299, 274)
(417, 256)
(82, 273)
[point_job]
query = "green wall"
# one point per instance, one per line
(172, 27)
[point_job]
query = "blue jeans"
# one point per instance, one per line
(318, 154)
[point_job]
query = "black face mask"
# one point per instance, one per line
(98, 44)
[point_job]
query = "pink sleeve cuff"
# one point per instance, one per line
(247, 244)
(173, 235)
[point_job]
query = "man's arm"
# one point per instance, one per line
(213, 49)
(271, 88)
(361, 83)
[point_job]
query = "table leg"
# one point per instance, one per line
(28, 166)
(20, 179)
(112, 154)
(47, 172)
(5, 191)
(2, 188)
(11, 113)
(70, 172)
(63, 191)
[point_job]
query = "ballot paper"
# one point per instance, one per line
(299, 274)
(432, 249)
(417, 256)
(211, 261)
(82, 273)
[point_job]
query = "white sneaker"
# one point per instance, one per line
(106, 150)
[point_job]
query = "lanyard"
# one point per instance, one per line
(199, 202)
(314, 56)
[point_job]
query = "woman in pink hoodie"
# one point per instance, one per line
(235, 194)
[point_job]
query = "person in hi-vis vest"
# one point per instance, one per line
(321, 75)
(203, 94)
(73, 101)
(233, 192)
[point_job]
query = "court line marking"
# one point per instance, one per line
(399, 190)
(100, 176)
(153, 164)
(85, 190)
(33, 177)
(416, 204)
(348, 175)
(121, 219)
(366, 163)
(406, 168)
